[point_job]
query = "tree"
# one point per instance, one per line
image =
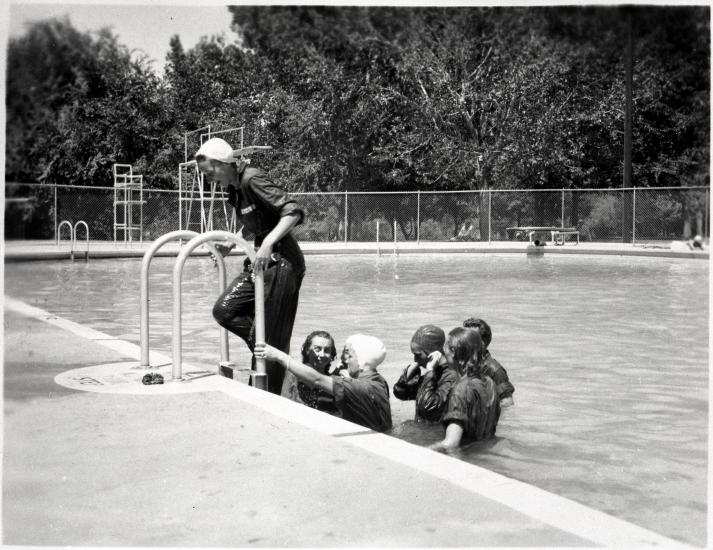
(77, 103)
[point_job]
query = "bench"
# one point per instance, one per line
(557, 234)
(558, 237)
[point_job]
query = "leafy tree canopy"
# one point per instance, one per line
(378, 98)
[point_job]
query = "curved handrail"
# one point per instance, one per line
(86, 234)
(71, 232)
(144, 296)
(261, 375)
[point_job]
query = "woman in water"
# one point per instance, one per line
(360, 393)
(318, 351)
(473, 406)
(432, 388)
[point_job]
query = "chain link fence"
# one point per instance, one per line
(34, 211)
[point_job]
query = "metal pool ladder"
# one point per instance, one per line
(196, 240)
(73, 236)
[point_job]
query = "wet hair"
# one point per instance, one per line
(429, 338)
(308, 344)
(467, 345)
(483, 329)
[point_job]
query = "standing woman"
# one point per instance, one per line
(265, 210)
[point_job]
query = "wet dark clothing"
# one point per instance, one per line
(475, 405)
(364, 400)
(259, 204)
(490, 367)
(316, 398)
(430, 391)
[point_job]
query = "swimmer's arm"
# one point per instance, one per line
(303, 373)
(283, 227)
(435, 392)
(451, 441)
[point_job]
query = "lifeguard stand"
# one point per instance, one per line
(200, 205)
(128, 194)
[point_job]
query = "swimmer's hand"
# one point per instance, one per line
(337, 371)
(433, 358)
(506, 402)
(412, 370)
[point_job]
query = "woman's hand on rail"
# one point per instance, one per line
(262, 257)
(283, 227)
(266, 351)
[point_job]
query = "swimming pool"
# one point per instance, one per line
(608, 355)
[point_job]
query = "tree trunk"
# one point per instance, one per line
(574, 210)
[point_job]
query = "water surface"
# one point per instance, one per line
(608, 355)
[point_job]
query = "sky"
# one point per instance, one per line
(142, 26)
(148, 25)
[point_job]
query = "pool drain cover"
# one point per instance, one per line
(128, 378)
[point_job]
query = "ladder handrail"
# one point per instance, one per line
(74, 237)
(71, 232)
(144, 292)
(261, 375)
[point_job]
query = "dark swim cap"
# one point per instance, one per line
(429, 338)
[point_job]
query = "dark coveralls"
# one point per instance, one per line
(259, 204)
(430, 391)
(491, 367)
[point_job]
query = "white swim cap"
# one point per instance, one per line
(369, 350)
(217, 149)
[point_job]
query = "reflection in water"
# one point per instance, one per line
(608, 355)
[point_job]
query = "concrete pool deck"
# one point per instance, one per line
(15, 251)
(210, 462)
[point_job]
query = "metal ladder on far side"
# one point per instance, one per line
(73, 236)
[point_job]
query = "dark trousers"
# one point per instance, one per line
(235, 311)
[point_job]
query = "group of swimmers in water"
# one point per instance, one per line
(453, 379)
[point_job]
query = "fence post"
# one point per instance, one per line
(562, 208)
(395, 248)
(346, 216)
(418, 217)
(633, 217)
(490, 216)
(56, 236)
(706, 229)
(378, 250)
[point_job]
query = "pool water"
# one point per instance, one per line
(608, 355)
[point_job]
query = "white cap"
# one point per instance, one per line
(217, 149)
(369, 350)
